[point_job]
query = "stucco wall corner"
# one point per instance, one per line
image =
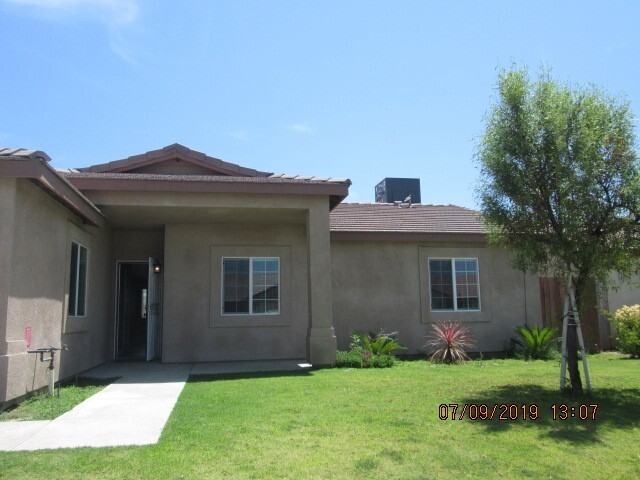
(322, 346)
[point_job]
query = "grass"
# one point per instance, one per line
(375, 423)
(41, 406)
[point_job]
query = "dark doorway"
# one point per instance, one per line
(131, 318)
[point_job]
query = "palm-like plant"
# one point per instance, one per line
(536, 343)
(377, 344)
(450, 341)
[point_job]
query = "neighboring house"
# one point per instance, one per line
(176, 255)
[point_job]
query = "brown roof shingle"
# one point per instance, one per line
(391, 218)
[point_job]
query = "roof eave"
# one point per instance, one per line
(337, 191)
(43, 175)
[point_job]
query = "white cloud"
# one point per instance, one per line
(111, 11)
(117, 16)
(300, 128)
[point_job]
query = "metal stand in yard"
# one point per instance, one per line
(571, 313)
(52, 374)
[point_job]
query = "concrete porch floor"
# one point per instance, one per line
(131, 411)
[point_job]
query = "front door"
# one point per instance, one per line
(154, 309)
(139, 310)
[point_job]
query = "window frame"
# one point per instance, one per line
(455, 308)
(251, 313)
(76, 281)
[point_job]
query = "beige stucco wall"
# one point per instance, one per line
(37, 232)
(194, 330)
(193, 224)
(385, 286)
(623, 292)
(137, 245)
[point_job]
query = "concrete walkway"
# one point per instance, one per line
(130, 411)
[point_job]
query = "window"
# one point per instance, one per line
(251, 286)
(455, 285)
(78, 281)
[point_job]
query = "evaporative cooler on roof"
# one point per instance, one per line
(392, 190)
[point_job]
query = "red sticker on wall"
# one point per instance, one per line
(27, 336)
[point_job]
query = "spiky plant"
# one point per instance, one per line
(536, 343)
(450, 340)
(377, 344)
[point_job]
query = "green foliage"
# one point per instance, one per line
(40, 406)
(627, 323)
(560, 183)
(450, 340)
(560, 177)
(376, 344)
(369, 351)
(536, 343)
(358, 359)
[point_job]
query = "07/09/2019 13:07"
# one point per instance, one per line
(514, 411)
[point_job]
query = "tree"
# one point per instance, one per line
(560, 183)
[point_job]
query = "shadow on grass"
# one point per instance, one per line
(616, 409)
(82, 382)
(216, 377)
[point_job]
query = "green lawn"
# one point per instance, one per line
(341, 423)
(41, 406)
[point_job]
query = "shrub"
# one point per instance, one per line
(536, 343)
(376, 344)
(362, 360)
(450, 341)
(369, 351)
(627, 323)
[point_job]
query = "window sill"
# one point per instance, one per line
(460, 316)
(237, 321)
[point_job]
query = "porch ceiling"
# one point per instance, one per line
(146, 217)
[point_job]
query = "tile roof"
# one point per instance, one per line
(178, 151)
(34, 165)
(67, 173)
(310, 179)
(391, 218)
(23, 153)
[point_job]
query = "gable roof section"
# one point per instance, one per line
(171, 152)
(33, 165)
(133, 174)
(385, 221)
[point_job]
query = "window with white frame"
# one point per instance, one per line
(250, 286)
(78, 280)
(455, 284)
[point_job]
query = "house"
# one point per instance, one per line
(178, 256)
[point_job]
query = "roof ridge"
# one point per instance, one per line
(197, 157)
(412, 204)
(24, 153)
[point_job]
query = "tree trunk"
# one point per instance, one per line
(572, 359)
(572, 343)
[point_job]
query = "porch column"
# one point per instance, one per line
(321, 338)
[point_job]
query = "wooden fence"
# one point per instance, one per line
(595, 327)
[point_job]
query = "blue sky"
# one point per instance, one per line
(357, 89)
